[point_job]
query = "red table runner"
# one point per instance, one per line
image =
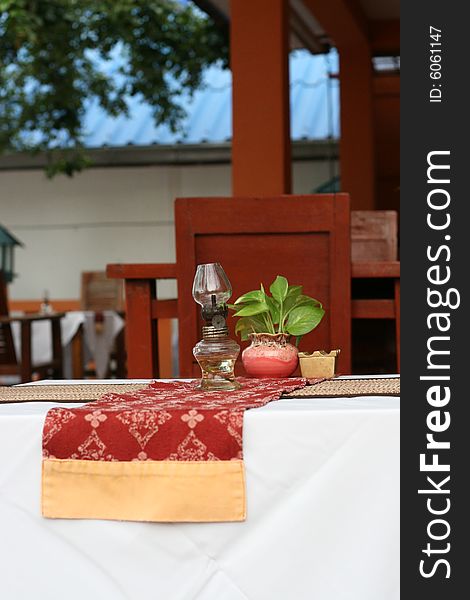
(169, 452)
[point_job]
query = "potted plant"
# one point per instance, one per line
(269, 321)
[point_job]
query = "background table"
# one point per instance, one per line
(98, 345)
(323, 510)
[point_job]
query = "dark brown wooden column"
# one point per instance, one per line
(261, 157)
(345, 23)
(356, 145)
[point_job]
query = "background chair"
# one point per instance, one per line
(9, 365)
(305, 238)
(100, 294)
(376, 269)
(374, 235)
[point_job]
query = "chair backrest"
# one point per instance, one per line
(305, 238)
(373, 235)
(100, 293)
(7, 347)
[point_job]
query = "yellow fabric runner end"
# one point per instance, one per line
(166, 491)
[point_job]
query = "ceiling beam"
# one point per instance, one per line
(343, 20)
(306, 32)
(385, 37)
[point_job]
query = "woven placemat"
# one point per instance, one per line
(88, 392)
(82, 392)
(349, 388)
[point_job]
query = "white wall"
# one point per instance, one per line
(105, 215)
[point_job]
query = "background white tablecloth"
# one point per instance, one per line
(323, 517)
(97, 344)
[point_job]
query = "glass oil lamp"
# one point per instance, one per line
(216, 353)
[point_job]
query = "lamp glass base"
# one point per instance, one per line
(217, 357)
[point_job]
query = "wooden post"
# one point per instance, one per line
(346, 23)
(77, 354)
(57, 354)
(397, 321)
(356, 145)
(26, 361)
(142, 361)
(261, 156)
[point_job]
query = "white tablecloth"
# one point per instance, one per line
(98, 344)
(323, 517)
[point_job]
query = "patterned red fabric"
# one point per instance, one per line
(166, 421)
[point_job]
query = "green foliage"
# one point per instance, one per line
(52, 54)
(286, 311)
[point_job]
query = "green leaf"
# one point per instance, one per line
(253, 308)
(273, 309)
(256, 295)
(257, 324)
(302, 299)
(303, 319)
(242, 323)
(243, 328)
(294, 290)
(293, 293)
(247, 325)
(279, 288)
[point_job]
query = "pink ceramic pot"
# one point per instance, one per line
(269, 355)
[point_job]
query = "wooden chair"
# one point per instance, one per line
(99, 294)
(9, 364)
(374, 236)
(305, 238)
(375, 259)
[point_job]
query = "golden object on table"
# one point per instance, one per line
(318, 364)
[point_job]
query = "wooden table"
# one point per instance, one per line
(322, 479)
